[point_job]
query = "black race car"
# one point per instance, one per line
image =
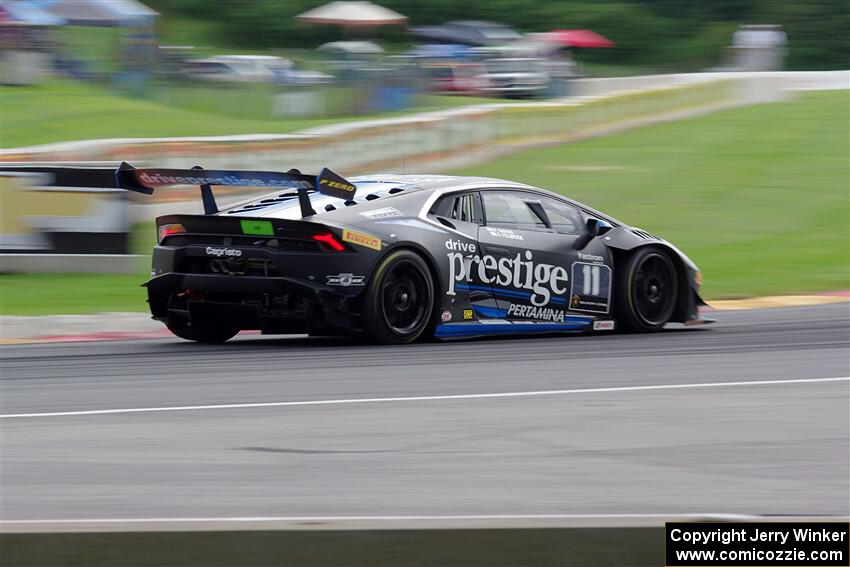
(398, 258)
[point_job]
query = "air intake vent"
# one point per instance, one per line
(262, 204)
(643, 234)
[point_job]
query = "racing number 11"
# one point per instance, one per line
(590, 280)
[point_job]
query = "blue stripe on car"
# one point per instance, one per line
(490, 311)
(477, 329)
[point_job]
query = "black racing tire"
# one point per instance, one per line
(399, 303)
(648, 287)
(206, 334)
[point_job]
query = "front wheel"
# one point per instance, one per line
(648, 287)
(399, 303)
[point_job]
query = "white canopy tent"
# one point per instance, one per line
(352, 13)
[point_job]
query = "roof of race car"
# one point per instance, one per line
(427, 181)
(370, 188)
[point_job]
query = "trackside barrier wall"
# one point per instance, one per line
(63, 229)
(432, 140)
(422, 141)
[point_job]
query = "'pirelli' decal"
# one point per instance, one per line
(360, 239)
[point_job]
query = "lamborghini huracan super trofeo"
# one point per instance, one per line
(398, 258)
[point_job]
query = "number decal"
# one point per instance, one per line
(590, 280)
(591, 287)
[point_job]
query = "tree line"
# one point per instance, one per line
(675, 35)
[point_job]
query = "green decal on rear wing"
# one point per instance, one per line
(146, 180)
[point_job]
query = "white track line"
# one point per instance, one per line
(425, 398)
(377, 518)
(396, 518)
(366, 518)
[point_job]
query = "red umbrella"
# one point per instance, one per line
(577, 38)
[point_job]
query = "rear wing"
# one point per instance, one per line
(146, 180)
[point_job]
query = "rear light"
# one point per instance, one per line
(329, 240)
(167, 230)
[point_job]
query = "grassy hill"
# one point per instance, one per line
(63, 110)
(757, 196)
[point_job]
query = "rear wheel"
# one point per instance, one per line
(648, 287)
(206, 331)
(399, 303)
(204, 334)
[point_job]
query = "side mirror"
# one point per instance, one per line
(591, 231)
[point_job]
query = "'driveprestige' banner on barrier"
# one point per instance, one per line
(762, 544)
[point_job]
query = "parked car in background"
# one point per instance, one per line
(302, 77)
(516, 77)
(454, 77)
(252, 68)
(468, 32)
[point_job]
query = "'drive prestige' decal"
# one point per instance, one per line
(519, 272)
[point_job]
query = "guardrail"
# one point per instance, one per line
(354, 144)
(408, 142)
(62, 229)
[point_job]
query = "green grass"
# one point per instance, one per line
(62, 110)
(36, 294)
(756, 196)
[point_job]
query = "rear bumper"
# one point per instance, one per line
(273, 305)
(227, 284)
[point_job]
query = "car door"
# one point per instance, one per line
(471, 294)
(534, 270)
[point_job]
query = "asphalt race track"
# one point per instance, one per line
(731, 419)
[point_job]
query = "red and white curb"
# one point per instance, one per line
(136, 326)
(100, 336)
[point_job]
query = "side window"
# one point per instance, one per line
(464, 207)
(508, 209)
(564, 218)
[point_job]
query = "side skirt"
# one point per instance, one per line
(504, 327)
